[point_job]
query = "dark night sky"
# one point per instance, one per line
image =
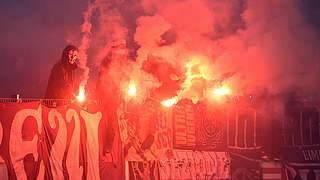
(32, 37)
(34, 32)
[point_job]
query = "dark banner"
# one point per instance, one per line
(56, 143)
(204, 127)
(302, 171)
(302, 154)
(146, 133)
(199, 127)
(244, 167)
(242, 125)
(144, 170)
(184, 165)
(301, 142)
(185, 116)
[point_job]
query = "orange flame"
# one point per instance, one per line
(195, 83)
(170, 102)
(81, 95)
(221, 91)
(132, 89)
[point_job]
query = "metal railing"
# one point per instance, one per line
(48, 102)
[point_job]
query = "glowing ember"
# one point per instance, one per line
(170, 102)
(81, 95)
(132, 89)
(221, 91)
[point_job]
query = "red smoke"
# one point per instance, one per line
(244, 45)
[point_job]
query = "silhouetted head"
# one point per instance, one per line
(69, 55)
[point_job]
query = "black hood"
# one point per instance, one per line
(65, 57)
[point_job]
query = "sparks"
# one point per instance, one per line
(132, 89)
(222, 91)
(170, 102)
(81, 95)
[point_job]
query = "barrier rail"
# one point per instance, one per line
(47, 102)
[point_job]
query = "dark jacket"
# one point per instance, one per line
(108, 86)
(61, 84)
(108, 91)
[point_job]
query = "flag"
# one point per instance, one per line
(272, 171)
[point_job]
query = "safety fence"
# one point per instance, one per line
(48, 102)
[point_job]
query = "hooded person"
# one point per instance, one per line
(108, 91)
(61, 83)
(108, 85)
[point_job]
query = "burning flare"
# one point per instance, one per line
(170, 102)
(132, 89)
(81, 95)
(222, 91)
(195, 84)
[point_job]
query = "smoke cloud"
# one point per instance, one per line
(85, 43)
(245, 45)
(267, 44)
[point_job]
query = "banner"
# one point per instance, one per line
(211, 129)
(301, 142)
(302, 171)
(148, 170)
(146, 133)
(242, 129)
(185, 117)
(244, 167)
(198, 127)
(184, 165)
(66, 142)
(204, 127)
(273, 171)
